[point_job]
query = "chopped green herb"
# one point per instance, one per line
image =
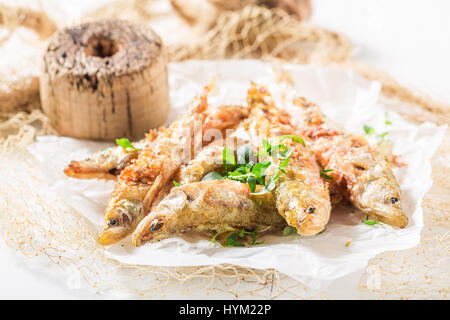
(126, 144)
(324, 175)
(261, 167)
(253, 235)
(260, 192)
(228, 159)
(212, 176)
(215, 235)
(251, 180)
(294, 138)
(371, 131)
(270, 185)
(285, 153)
(284, 163)
(242, 234)
(288, 230)
(245, 171)
(244, 154)
(384, 134)
(266, 145)
(176, 184)
(369, 222)
(232, 241)
(386, 119)
(368, 130)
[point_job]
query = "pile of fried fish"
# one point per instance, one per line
(286, 171)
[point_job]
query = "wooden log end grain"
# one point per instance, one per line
(104, 80)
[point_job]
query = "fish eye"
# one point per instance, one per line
(393, 200)
(310, 209)
(155, 225)
(112, 222)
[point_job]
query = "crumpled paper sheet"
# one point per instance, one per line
(330, 260)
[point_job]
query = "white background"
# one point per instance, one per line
(408, 38)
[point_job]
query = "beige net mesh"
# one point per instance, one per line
(36, 221)
(267, 34)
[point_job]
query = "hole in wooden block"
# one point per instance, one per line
(101, 46)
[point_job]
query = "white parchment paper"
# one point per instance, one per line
(334, 258)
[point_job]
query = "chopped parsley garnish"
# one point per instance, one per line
(238, 238)
(244, 154)
(212, 176)
(215, 235)
(232, 241)
(126, 144)
(371, 131)
(246, 171)
(176, 184)
(323, 174)
(369, 222)
(386, 119)
(294, 138)
(384, 134)
(368, 130)
(288, 230)
(228, 158)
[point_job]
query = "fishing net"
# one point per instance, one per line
(35, 221)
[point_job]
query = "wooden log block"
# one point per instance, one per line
(105, 80)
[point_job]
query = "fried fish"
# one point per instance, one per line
(300, 195)
(214, 205)
(209, 159)
(141, 181)
(358, 171)
(108, 163)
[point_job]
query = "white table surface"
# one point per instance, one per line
(408, 38)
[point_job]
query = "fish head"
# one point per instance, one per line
(148, 230)
(381, 197)
(313, 216)
(120, 220)
(155, 226)
(104, 164)
(302, 209)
